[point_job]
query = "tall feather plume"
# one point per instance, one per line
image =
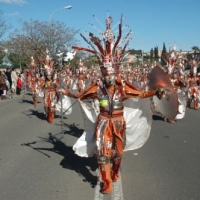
(119, 36)
(111, 54)
(95, 40)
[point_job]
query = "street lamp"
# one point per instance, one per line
(6, 60)
(49, 22)
(4, 50)
(66, 7)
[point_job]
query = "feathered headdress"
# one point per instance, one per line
(32, 63)
(107, 50)
(49, 64)
(33, 67)
(193, 58)
(171, 58)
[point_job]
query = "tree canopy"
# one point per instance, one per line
(35, 37)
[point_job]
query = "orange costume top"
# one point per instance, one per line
(111, 99)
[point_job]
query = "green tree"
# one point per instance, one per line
(151, 55)
(4, 26)
(163, 55)
(195, 48)
(90, 61)
(156, 56)
(2, 55)
(34, 37)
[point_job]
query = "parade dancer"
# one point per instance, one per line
(194, 62)
(3, 86)
(32, 80)
(64, 105)
(171, 58)
(193, 95)
(49, 87)
(179, 85)
(111, 93)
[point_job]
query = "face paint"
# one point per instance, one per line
(110, 79)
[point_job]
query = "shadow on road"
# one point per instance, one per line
(157, 117)
(71, 161)
(36, 113)
(27, 101)
(73, 130)
(40, 115)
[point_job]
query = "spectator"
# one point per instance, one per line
(3, 86)
(8, 74)
(14, 78)
(19, 85)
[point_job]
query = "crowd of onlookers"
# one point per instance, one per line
(11, 83)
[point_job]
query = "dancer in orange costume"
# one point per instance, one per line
(111, 125)
(50, 88)
(33, 80)
(193, 95)
(50, 97)
(111, 93)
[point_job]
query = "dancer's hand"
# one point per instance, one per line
(160, 92)
(61, 91)
(76, 94)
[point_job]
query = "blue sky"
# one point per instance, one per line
(153, 22)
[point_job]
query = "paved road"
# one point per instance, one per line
(35, 164)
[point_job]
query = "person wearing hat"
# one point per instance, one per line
(111, 91)
(49, 87)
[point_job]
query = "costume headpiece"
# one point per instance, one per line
(107, 50)
(194, 58)
(33, 67)
(171, 58)
(49, 64)
(32, 62)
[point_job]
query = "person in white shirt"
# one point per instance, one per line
(14, 78)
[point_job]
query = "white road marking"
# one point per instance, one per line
(117, 193)
(98, 195)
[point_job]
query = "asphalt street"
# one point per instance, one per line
(37, 163)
